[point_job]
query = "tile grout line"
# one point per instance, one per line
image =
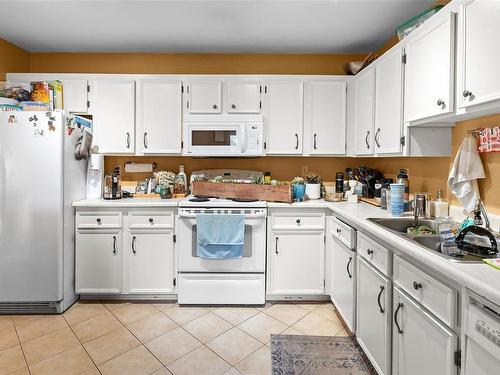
(20, 344)
(81, 344)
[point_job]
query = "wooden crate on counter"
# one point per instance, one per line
(280, 193)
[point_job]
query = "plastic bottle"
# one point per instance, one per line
(403, 179)
(440, 207)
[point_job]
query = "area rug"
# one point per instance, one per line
(318, 355)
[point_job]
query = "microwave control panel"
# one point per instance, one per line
(254, 138)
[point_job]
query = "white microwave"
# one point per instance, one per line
(223, 135)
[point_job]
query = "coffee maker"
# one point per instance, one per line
(95, 176)
(113, 185)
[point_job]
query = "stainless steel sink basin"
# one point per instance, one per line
(429, 242)
(401, 225)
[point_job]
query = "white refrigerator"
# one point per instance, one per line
(39, 179)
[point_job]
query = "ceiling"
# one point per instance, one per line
(306, 26)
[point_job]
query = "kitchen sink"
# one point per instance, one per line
(429, 242)
(401, 225)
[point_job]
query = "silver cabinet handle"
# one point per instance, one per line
(145, 140)
(440, 102)
(348, 264)
(315, 135)
(378, 299)
(114, 245)
(133, 244)
(297, 144)
(128, 140)
(276, 247)
(376, 138)
(467, 93)
(366, 139)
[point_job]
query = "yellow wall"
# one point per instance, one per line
(12, 59)
(426, 174)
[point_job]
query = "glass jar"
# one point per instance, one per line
(179, 185)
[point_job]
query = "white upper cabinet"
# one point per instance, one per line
(325, 118)
(159, 111)
(364, 112)
(243, 97)
(75, 95)
(430, 71)
(283, 117)
(204, 97)
(389, 103)
(480, 52)
(114, 116)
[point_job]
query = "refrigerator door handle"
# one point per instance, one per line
(3, 187)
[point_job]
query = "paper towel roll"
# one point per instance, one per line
(139, 167)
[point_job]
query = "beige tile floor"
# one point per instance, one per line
(144, 338)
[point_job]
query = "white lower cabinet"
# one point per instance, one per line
(125, 252)
(150, 262)
(373, 315)
(344, 282)
(296, 262)
(98, 261)
(421, 344)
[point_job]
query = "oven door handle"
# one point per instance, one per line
(247, 216)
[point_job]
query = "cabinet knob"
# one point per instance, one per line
(417, 286)
(297, 221)
(99, 220)
(233, 106)
(151, 220)
(370, 252)
(467, 93)
(214, 106)
(440, 102)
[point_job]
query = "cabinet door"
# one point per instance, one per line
(284, 117)
(98, 261)
(204, 97)
(114, 116)
(480, 53)
(159, 117)
(150, 258)
(75, 95)
(364, 111)
(344, 282)
(325, 118)
(243, 97)
(373, 315)
(297, 263)
(430, 71)
(389, 103)
(421, 345)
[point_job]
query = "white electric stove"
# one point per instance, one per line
(222, 281)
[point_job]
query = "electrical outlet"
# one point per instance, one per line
(304, 170)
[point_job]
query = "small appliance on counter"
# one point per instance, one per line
(112, 186)
(95, 176)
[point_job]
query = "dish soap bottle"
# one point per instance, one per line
(403, 179)
(440, 207)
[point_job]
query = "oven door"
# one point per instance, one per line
(213, 139)
(254, 251)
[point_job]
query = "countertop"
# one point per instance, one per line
(479, 277)
(127, 203)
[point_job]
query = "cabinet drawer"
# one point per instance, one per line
(374, 253)
(311, 220)
(431, 293)
(343, 232)
(151, 220)
(98, 219)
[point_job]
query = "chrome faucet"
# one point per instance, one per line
(479, 211)
(419, 204)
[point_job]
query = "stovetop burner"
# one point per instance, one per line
(243, 200)
(199, 199)
(205, 196)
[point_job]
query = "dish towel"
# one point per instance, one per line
(466, 169)
(220, 236)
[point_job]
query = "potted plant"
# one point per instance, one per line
(298, 188)
(313, 185)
